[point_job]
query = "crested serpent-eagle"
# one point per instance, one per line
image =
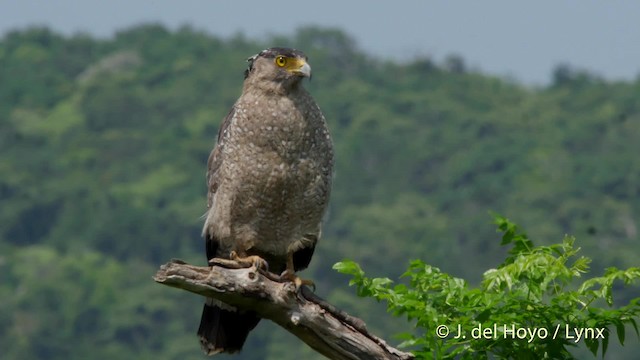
(269, 179)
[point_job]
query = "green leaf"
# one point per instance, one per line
(483, 316)
(635, 325)
(605, 345)
(592, 345)
(379, 282)
(620, 330)
(348, 267)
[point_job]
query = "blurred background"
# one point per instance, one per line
(440, 113)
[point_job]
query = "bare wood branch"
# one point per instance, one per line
(319, 324)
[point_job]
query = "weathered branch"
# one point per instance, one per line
(319, 324)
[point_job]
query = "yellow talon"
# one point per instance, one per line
(237, 262)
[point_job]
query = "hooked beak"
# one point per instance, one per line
(304, 70)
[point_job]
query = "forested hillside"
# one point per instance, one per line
(103, 150)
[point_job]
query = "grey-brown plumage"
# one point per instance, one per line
(269, 179)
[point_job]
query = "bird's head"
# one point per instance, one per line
(283, 65)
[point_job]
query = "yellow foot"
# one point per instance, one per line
(297, 281)
(237, 262)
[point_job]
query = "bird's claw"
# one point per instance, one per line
(296, 280)
(237, 262)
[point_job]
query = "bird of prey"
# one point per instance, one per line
(269, 179)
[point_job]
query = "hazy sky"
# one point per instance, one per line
(524, 40)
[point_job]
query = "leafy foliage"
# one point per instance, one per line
(526, 308)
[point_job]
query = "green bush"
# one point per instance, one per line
(529, 307)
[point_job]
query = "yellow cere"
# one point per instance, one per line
(291, 64)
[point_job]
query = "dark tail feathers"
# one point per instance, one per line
(224, 330)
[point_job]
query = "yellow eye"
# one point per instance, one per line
(281, 61)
